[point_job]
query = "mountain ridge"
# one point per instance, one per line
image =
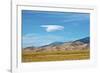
(73, 45)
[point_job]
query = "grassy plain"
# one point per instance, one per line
(55, 55)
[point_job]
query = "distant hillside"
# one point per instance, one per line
(84, 40)
(79, 44)
(53, 44)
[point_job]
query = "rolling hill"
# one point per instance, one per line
(79, 44)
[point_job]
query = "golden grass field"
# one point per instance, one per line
(55, 55)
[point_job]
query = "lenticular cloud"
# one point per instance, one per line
(51, 28)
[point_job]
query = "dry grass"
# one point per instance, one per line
(55, 55)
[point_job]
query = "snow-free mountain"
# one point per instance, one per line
(79, 44)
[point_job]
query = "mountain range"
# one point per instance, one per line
(79, 44)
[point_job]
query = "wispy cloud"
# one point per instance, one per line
(51, 28)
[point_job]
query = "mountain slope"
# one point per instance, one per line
(84, 40)
(79, 44)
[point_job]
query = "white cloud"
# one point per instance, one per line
(50, 28)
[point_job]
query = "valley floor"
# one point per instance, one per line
(55, 55)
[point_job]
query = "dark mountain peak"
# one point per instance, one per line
(84, 40)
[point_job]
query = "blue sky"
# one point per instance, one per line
(42, 27)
